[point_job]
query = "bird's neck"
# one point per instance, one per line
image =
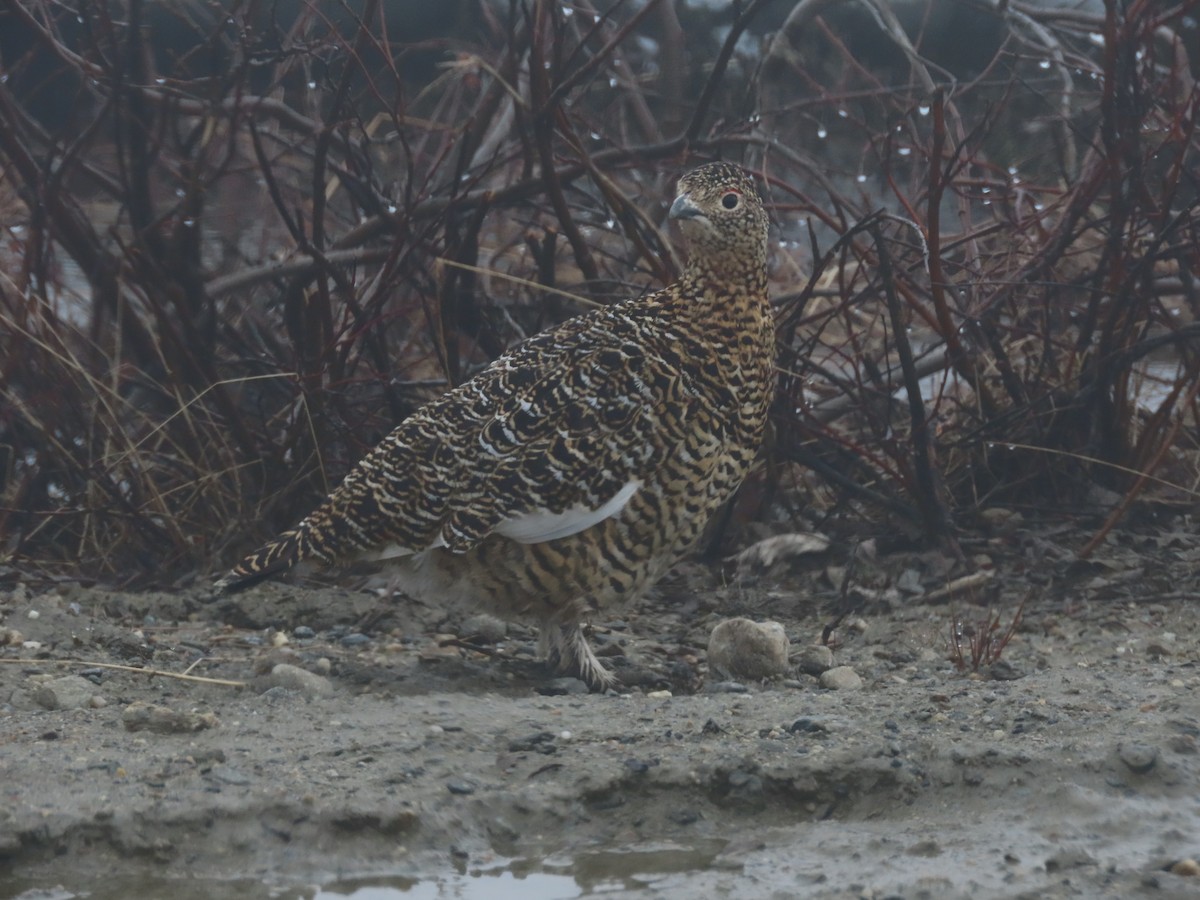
(715, 295)
(735, 313)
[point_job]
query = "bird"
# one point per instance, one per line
(571, 473)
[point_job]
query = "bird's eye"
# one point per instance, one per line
(730, 200)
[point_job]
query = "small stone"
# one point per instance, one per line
(141, 716)
(559, 687)
(460, 786)
(928, 847)
(815, 659)
(229, 775)
(303, 632)
(1069, 859)
(323, 666)
(1140, 758)
(1003, 670)
(1185, 744)
(1002, 520)
(538, 742)
(841, 678)
(357, 639)
(33, 614)
(725, 687)
(97, 702)
(484, 628)
(301, 680)
(659, 695)
(1188, 868)
(67, 692)
(279, 639)
(741, 648)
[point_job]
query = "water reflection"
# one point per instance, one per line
(583, 874)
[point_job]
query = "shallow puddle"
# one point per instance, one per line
(585, 874)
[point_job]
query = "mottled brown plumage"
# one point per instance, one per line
(570, 474)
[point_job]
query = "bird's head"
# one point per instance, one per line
(722, 217)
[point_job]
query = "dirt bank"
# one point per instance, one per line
(403, 741)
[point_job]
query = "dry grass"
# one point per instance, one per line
(253, 244)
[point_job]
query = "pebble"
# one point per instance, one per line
(295, 678)
(1140, 758)
(559, 687)
(323, 666)
(357, 639)
(1188, 868)
(483, 627)
(460, 786)
(229, 775)
(659, 695)
(67, 692)
(841, 678)
(141, 716)
(1069, 859)
(1185, 744)
(1003, 670)
(33, 614)
(815, 659)
(741, 648)
(539, 742)
(725, 687)
(303, 632)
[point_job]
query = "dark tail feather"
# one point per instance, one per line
(266, 562)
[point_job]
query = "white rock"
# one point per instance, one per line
(297, 679)
(740, 648)
(67, 692)
(841, 678)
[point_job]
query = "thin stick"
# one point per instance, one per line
(144, 671)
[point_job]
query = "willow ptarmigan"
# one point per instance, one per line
(570, 474)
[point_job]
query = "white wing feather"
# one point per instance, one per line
(535, 527)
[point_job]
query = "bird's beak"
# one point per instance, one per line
(684, 208)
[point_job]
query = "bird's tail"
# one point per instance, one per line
(265, 562)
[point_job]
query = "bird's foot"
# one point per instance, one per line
(570, 654)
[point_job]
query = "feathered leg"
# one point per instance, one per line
(568, 652)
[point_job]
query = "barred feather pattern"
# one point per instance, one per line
(570, 474)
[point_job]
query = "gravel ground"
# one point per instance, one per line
(409, 747)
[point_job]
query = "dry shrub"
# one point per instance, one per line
(248, 240)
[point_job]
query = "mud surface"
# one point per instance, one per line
(430, 753)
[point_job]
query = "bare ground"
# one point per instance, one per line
(424, 748)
